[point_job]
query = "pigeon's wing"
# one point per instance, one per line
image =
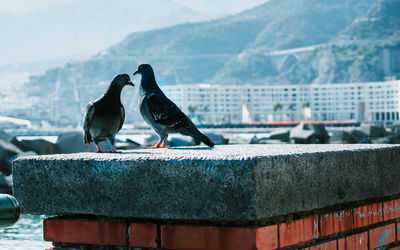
(87, 122)
(122, 118)
(166, 113)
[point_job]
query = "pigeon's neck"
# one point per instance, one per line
(149, 85)
(113, 92)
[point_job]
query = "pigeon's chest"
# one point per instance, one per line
(105, 125)
(108, 109)
(144, 109)
(146, 112)
(107, 117)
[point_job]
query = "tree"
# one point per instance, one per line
(206, 109)
(277, 107)
(306, 105)
(291, 106)
(192, 109)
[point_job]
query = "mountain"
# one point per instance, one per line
(366, 50)
(381, 22)
(83, 27)
(280, 41)
(290, 26)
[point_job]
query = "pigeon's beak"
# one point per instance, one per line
(131, 83)
(136, 72)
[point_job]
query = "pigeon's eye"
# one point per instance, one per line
(141, 67)
(123, 78)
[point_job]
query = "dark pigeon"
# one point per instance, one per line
(161, 113)
(105, 116)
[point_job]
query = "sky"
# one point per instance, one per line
(43, 30)
(206, 6)
(24, 6)
(220, 6)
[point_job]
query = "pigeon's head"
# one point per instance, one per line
(122, 80)
(144, 69)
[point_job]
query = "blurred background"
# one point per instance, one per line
(223, 62)
(255, 71)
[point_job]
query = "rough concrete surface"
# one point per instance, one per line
(231, 183)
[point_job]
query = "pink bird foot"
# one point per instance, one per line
(114, 151)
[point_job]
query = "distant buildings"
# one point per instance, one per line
(371, 101)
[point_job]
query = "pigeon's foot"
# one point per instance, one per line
(156, 146)
(98, 149)
(115, 151)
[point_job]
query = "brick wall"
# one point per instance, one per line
(370, 226)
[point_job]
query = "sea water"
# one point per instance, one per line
(27, 233)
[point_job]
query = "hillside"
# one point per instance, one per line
(294, 25)
(281, 41)
(367, 50)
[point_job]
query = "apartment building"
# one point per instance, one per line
(216, 104)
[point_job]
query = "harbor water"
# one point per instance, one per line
(27, 233)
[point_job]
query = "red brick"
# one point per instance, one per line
(391, 210)
(203, 237)
(395, 248)
(336, 222)
(267, 237)
(298, 231)
(341, 243)
(367, 215)
(382, 236)
(143, 235)
(398, 231)
(85, 232)
(354, 242)
(331, 245)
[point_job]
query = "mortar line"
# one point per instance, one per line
(158, 239)
(128, 232)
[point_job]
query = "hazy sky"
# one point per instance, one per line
(205, 6)
(43, 30)
(220, 6)
(23, 6)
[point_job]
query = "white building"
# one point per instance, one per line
(371, 101)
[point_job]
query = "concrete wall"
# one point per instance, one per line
(272, 195)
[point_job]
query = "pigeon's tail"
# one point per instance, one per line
(202, 137)
(87, 138)
(197, 135)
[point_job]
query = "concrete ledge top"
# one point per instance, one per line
(226, 184)
(231, 152)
